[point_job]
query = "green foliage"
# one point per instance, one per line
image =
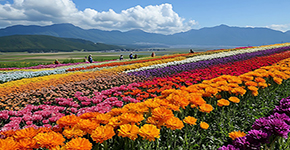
(44, 43)
(20, 64)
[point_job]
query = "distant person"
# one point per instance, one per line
(153, 54)
(90, 58)
(135, 56)
(56, 62)
(131, 56)
(86, 59)
(121, 57)
(191, 51)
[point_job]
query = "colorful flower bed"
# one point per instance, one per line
(194, 103)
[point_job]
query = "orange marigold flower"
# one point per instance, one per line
(204, 125)
(8, 144)
(259, 79)
(25, 133)
(102, 118)
(155, 121)
(255, 93)
(115, 121)
(79, 144)
(89, 115)
(130, 131)
(102, 133)
(69, 120)
(162, 113)
(251, 83)
(262, 84)
(278, 80)
(116, 111)
(151, 104)
(223, 102)
(197, 100)
(233, 85)
(73, 132)
(8, 133)
(206, 108)
(234, 99)
(239, 90)
(211, 90)
(190, 120)
(149, 132)
(49, 140)
(88, 125)
(236, 134)
(253, 88)
(132, 118)
(27, 143)
(174, 123)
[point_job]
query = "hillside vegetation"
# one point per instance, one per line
(45, 43)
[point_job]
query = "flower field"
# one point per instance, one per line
(221, 99)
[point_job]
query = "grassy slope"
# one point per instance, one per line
(44, 43)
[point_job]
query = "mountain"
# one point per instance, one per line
(221, 35)
(45, 43)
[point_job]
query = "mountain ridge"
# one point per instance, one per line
(217, 35)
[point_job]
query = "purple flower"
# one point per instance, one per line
(257, 137)
(279, 127)
(229, 147)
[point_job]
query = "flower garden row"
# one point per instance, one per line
(17, 100)
(158, 117)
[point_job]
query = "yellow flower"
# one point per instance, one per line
(204, 125)
(236, 134)
(129, 131)
(79, 144)
(149, 132)
(190, 120)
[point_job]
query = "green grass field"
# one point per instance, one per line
(24, 59)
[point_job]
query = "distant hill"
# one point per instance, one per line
(222, 35)
(45, 43)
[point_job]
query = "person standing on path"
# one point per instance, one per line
(90, 58)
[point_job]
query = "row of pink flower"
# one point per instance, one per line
(47, 114)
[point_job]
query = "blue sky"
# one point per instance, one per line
(156, 16)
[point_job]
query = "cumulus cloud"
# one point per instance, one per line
(280, 27)
(154, 19)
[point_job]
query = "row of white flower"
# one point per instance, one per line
(208, 57)
(31, 73)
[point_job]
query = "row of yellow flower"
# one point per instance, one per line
(150, 115)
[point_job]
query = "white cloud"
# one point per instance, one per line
(155, 19)
(280, 27)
